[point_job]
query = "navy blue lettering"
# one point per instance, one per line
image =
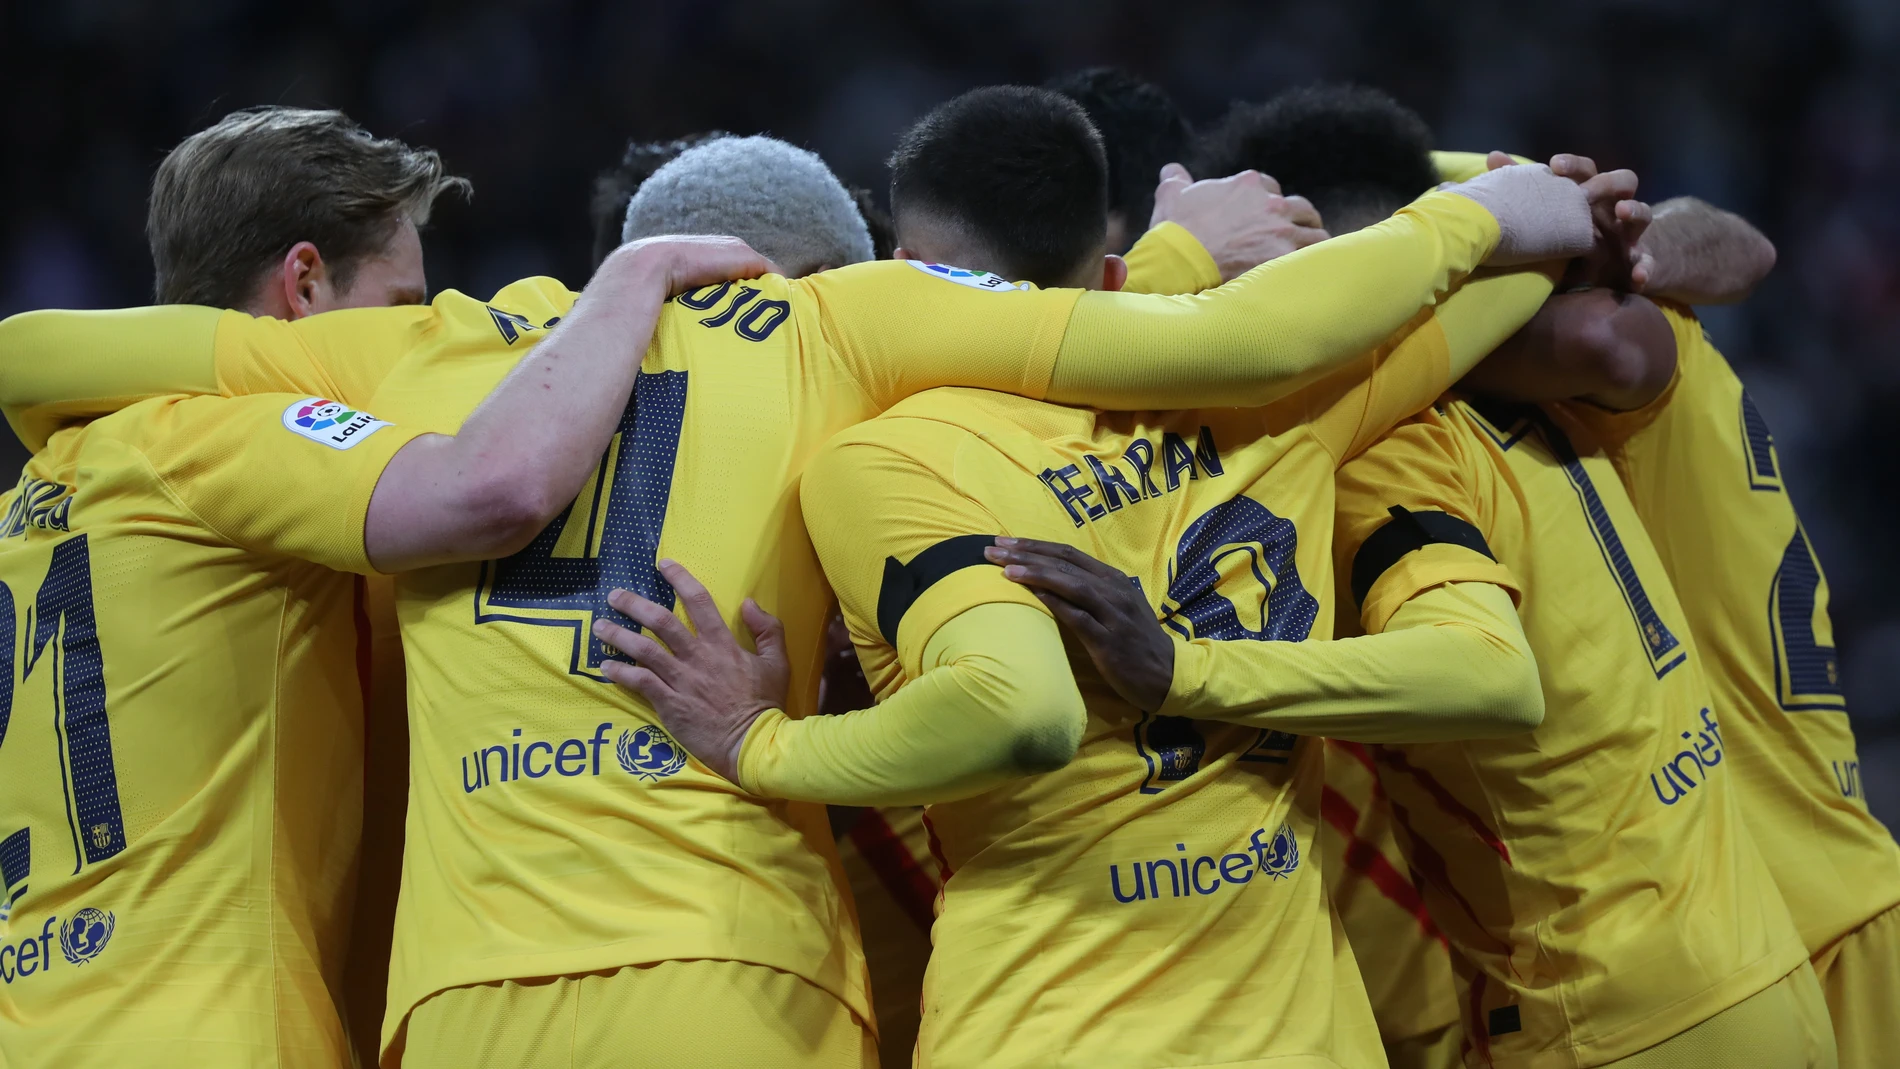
(1141, 454)
(527, 759)
(29, 957)
(599, 740)
(1174, 879)
(738, 302)
(1115, 883)
(762, 319)
(488, 777)
(705, 297)
(1177, 458)
(471, 786)
(561, 757)
(1208, 455)
(1209, 862)
(1071, 495)
(1115, 486)
(6, 973)
(1232, 863)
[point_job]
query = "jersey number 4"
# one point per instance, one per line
(608, 539)
(63, 646)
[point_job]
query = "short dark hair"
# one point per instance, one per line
(1021, 170)
(876, 220)
(232, 199)
(1142, 131)
(615, 186)
(1355, 152)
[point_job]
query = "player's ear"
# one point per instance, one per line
(1114, 272)
(305, 281)
(902, 253)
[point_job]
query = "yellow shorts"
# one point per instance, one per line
(710, 1014)
(1861, 975)
(1783, 1027)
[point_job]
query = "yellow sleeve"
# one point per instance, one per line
(899, 328)
(1277, 327)
(1447, 502)
(901, 545)
(257, 478)
(1170, 260)
(995, 701)
(1436, 350)
(60, 368)
(1464, 166)
(1452, 663)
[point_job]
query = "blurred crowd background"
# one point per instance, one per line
(1787, 113)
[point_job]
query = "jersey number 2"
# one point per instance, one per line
(63, 637)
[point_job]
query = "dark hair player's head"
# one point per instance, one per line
(1006, 179)
(614, 187)
(1355, 152)
(1142, 132)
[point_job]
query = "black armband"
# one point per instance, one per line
(1403, 533)
(905, 583)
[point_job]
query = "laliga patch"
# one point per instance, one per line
(335, 425)
(976, 280)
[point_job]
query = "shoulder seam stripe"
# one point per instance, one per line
(905, 583)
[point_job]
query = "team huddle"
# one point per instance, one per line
(1341, 611)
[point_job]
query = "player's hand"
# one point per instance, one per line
(690, 261)
(1103, 608)
(1242, 219)
(707, 688)
(1617, 219)
(1540, 215)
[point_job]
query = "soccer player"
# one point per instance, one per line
(585, 876)
(1142, 131)
(1056, 942)
(1701, 469)
(183, 740)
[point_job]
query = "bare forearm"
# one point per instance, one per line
(522, 455)
(1703, 255)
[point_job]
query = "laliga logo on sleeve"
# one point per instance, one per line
(976, 280)
(85, 935)
(649, 752)
(335, 425)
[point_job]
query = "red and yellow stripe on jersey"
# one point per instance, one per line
(1594, 873)
(1400, 950)
(1153, 902)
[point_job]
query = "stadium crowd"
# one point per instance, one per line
(1574, 786)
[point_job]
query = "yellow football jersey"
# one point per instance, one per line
(181, 732)
(559, 846)
(1594, 874)
(1401, 953)
(1155, 901)
(1700, 466)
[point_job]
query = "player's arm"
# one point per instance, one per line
(988, 694)
(1696, 253)
(1615, 349)
(521, 456)
(1248, 342)
(60, 368)
(1453, 662)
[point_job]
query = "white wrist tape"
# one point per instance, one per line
(1540, 216)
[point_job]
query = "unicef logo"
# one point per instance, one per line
(83, 937)
(1283, 856)
(649, 752)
